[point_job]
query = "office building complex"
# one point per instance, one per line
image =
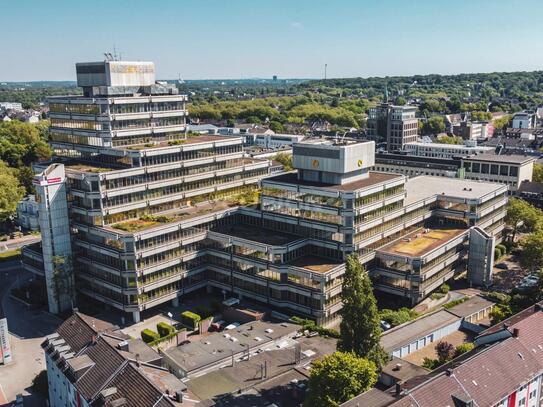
(510, 170)
(152, 221)
(395, 125)
(442, 150)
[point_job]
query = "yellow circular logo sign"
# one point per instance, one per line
(315, 163)
(359, 163)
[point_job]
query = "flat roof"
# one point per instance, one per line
(316, 264)
(193, 139)
(471, 306)
(257, 234)
(371, 398)
(418, 243)
(505, 158)
(215, 347)
(411, 331)
(245, 374)
(448, 146)
(374, 178)
(426, 186)
(405, 371)
(174, 215)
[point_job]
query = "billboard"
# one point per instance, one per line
(5, 347)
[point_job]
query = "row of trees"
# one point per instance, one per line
(21, 144)
(525, 220)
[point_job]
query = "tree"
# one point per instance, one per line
(277, 126)
(395, 318)
(502, 122)
(537, 175)
(463, 348)
(445, 351)
(434, 125)
(532, 253)
(285, 159)
(450, 139)
(521, 213)
(11, 192)
(499, 313)
(339, 377)
(360, 330)
(481, 116)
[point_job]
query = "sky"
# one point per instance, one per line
(232, 39)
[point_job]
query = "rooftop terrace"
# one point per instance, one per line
(257, 234)
(418, 243)
(316, 264)
(150, 221)
(192, 139)
(374, 178)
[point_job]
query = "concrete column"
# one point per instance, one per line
(175, 302)
(136, 316)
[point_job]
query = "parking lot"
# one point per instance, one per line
(507, 274)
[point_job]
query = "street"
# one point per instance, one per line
(19, 242)
(27, 329)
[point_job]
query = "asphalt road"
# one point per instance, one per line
(20, 242)
(27, 329)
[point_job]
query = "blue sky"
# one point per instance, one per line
(255, 38)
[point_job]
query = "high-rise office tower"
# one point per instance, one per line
(395, 125)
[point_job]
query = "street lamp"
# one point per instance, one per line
(170, 315)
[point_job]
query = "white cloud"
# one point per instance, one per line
(296, 24)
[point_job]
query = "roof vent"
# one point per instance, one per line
(110, 391)
(118, 403)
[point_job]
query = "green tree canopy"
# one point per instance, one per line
(521, 214)
(537, 175)
(339, 377)
(21, 144)
(360, 330)
(532, 253)
(285, 159)
(11, 191)
(434, 125)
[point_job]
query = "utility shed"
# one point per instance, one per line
(414, 335)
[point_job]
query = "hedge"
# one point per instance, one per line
(454, 303)
(164, 329)
(149, 336)
(165, 338)
(190, 319)
(308, 324)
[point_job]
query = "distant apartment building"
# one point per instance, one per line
(146, 215)
(523, 120)
(395, 125)
(11, 106)
(27, 213)
(441, 150)
(471, 130)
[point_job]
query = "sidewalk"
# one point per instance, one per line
(11, 244)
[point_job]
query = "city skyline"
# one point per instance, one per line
(289, 39)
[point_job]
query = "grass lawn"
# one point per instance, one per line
(134, 225)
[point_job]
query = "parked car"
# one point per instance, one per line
(502, 266)
(385, 325)
(233, 325)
